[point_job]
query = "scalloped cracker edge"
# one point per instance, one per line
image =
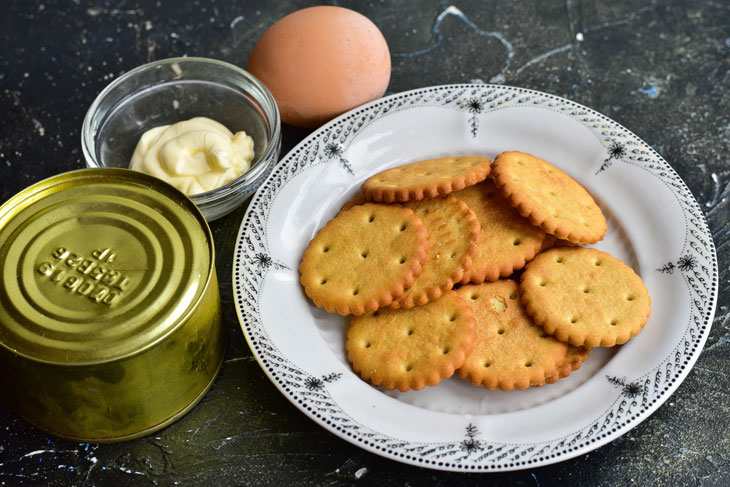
(425, 179)
(549, 197)
(355, 243)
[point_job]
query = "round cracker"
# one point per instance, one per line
(585, 297)
(507, 241)
(410, 349)
(510, 351)
(453, 233)
(364, 258)
(573, 361)
(357, 199)
(551, 241)
(426, 179)
(549, 198)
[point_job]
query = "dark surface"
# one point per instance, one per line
(660, 69)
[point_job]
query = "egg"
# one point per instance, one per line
(319, 62)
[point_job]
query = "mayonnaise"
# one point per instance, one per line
(195, 156)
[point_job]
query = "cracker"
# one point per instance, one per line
(510, 351)
(549, 198)
(551, 241)
(507, 240)
(573, 361)
(364, 258)
(357, 199)
(410, 349)
(585, 297)
(453, 233)
(426, 179)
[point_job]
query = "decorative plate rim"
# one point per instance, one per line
(699, 269)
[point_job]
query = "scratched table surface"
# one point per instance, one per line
(662, 69)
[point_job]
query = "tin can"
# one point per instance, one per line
(109, 306)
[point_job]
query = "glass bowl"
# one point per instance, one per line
(172, 90)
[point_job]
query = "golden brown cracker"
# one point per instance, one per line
(357, 199)
(573, 361)
(509, 351)
(426, 179)
(507, 240)
(453, 232)
(410, 349)
(549, 198)
(585, 297)
(364, 258)
(551, 241)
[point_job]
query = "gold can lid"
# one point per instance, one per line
(98, 265)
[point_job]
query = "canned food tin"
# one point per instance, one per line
(109, 306)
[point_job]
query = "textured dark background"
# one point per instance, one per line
(662, 69)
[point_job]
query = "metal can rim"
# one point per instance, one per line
(122, 174)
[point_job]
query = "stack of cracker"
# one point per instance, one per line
(419, 259)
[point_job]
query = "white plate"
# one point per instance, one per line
(654, 225)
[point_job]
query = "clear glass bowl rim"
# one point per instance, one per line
(261, 94)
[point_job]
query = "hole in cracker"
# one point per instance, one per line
(574, 320)
(409, 368)
(528, 364)
(473, 297)
(371, 218)
(410, 331)
(445, 351)
(597, 263)
(586, 290)
(452, 317)
(497, 303)
(402, 260)
(487, 364)
(403, 227)
(542, 283)
(355, 292)
(614, 322)
(559, 260)
(323, 281)
(364, 254)
(326, 249)
(453, 256)
(500, 331)
(553, 193)
(367, 344)
(630, 297)
(516, 242)
(513, 296)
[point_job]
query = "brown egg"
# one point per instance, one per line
(320, 62)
